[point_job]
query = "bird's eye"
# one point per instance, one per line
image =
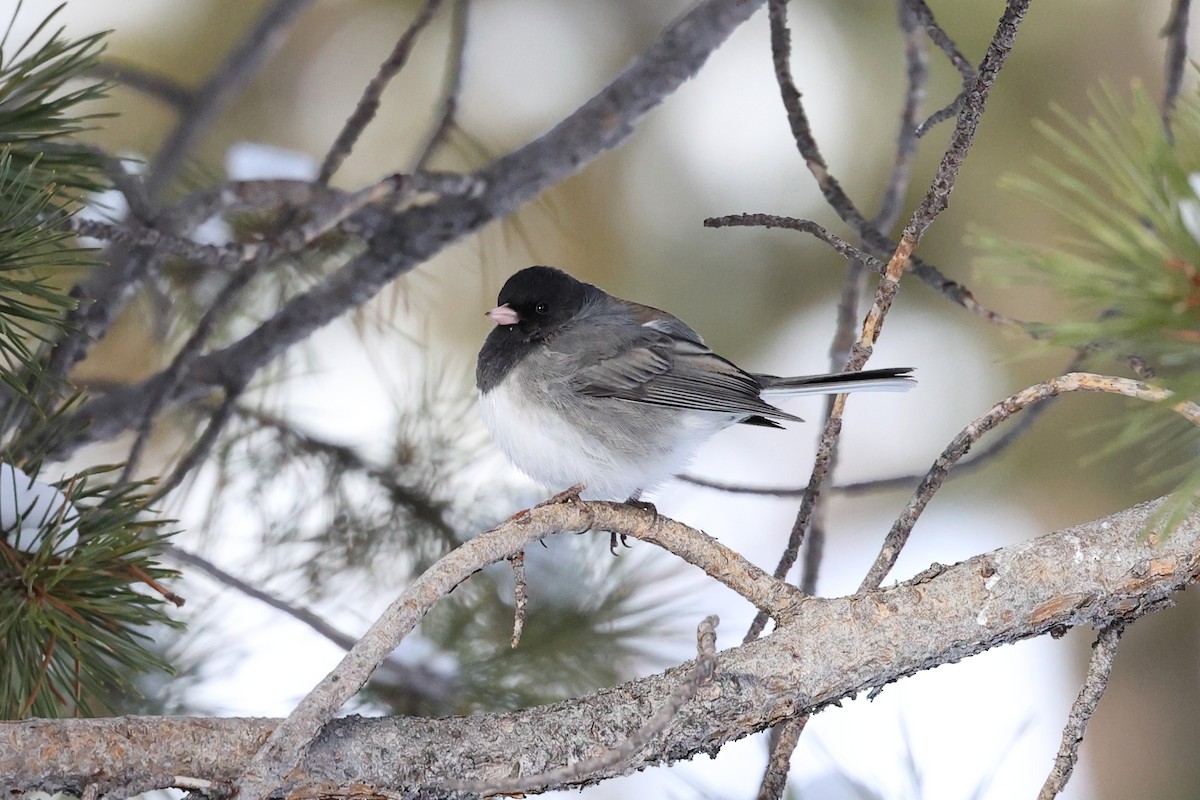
(541, 308)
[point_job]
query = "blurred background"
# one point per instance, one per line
(395, 383)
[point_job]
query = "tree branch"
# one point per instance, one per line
(1071, 382)
(459, 16)
(701, 675)
(210, 99)
(287, 743)
(418, 682)
(1104, 652)
(402, 241)
(826, 650)
(1175, 32)
(151, 84)
(368, 104)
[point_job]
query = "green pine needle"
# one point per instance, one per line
(41, 89)
(75, 626)
(1129, 264)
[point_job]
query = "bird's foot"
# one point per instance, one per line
(635, 503)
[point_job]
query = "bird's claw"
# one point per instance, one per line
(612, 542)
(635, 503)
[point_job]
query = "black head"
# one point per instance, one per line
(534, 304)
(544, 300)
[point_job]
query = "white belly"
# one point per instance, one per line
(558, 455)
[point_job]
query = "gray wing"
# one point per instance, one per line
(658, 368)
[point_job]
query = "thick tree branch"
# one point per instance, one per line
(826, 650)
(701, 675)
(287, 743)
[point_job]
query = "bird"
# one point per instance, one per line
(581, 388)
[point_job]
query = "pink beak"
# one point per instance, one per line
(503, 315)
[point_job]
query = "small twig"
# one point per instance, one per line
(224, 256)
(151, 84)
(969, 114)
(347, 459)
(287, 744)
(520, 596)
(810, 518)
(134, 233)
(806, 144)
(916, 63)
(1071, 382)
(829, 435)
(459, 14)
(43, 671)
(928, 274)
(832, 190)
(737, 488)
(965, 70)
(200, 449)
(1175, 32)
(839, 244)
(841, 346)
(967, 465)
(980, 457)
(178, 369)
(1104, 652)
(701, 675)
(127, 183)
(368, 104)
(936, 201)
(416, 680)
(140, 574)
(784, 738)
(814, 548)
(258, 45)
(298, 613)
(254, 257)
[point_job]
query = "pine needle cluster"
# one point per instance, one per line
(1128, 192)
(80, 597)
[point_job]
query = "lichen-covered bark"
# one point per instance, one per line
(826, 650)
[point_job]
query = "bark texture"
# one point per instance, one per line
(824, 650)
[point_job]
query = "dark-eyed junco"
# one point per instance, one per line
(580, 387)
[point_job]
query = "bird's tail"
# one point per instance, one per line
(895, 379)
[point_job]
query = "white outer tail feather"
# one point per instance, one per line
(840, 387)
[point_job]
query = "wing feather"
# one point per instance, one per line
(662, 369)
